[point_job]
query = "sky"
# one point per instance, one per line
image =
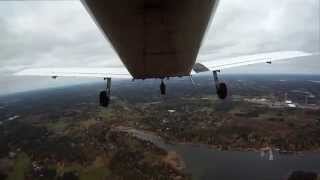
(62, 34)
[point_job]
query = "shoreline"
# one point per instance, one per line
(214, 147)
(162, 142)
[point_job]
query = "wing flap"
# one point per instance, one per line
(214, 65)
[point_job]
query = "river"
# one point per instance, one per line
(205, 163)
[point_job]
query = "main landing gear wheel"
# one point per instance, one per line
(162, 88)
(105, 95)
(104, 99)
(222, 90)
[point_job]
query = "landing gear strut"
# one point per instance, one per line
(221, 87)
(105, 95)
(162, 88)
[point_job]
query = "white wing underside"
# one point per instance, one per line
(214, 65)
(120, 72)
(208, 63)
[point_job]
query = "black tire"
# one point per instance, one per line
(222, 91)
(163, 89)
(104, 99)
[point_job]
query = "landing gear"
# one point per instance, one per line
(162, 88)
(222, 90)
(105, 95)
(104, 99)
(221, 87)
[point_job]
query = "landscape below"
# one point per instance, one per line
(63, 133)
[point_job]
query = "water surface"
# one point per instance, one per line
(208, 164)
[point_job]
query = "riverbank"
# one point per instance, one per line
(87, 149)
(205, 162)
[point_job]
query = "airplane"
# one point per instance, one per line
(157, 39)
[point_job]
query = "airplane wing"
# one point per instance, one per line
(219, 64)
(77, 72)
(206, 65)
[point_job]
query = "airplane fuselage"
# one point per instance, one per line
(154, 38)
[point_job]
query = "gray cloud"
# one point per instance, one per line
(42, 34)
(62, 34)
(259, 26)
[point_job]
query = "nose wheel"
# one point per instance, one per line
(163, 88)
(105, 95)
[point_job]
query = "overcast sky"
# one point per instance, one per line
(62, 34)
